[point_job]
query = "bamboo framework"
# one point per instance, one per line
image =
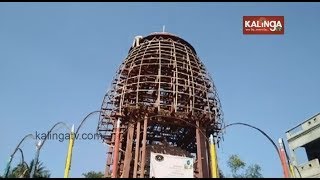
(167, 103)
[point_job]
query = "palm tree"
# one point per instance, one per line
(23, 170)
(19, 171)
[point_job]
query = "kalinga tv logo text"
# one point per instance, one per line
(263, 24)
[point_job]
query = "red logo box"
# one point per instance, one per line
(263, 24)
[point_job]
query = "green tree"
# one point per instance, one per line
(23, 170)
(93, 174)
(221, 175)
(253, 171)
(236, 164)
(239, 170)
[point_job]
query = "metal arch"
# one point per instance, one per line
(268, 137)
(14, 152)
(261, 131)
(23, 139)
(40, 145)
(297, 170)
(55, 125)
(93, 112)
(22, 156)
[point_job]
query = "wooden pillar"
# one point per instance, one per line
(116, 151)
(109, 153)
(128, 153)
(202, 153)
(136, 151)
(199, 152)
(205, 155)
(144, 143)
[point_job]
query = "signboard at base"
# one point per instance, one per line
(169, 166)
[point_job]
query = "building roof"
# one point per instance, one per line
(172, 36)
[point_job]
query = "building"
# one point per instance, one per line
(167, 104)
(307, 136)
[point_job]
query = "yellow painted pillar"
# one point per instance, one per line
(69, 155)
(292, 171)
(213, 158)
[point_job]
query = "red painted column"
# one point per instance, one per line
(116, 151)
(283, 159)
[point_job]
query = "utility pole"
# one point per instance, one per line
(8, 167)
(213, 157)
(283, 159)
(35, 161)
(69, 154)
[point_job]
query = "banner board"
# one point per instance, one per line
(169, 166)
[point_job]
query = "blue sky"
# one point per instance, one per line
(58, 59)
